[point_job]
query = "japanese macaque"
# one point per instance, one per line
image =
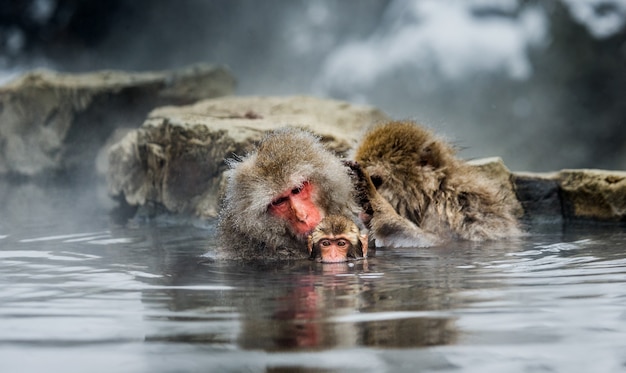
(337, 239)
(276, 195)
(415, 192)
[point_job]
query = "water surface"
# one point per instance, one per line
(81, 293)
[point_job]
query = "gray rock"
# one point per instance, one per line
(583, 194)
(52, 122)
(176, 159)
(598, 195)
(593, 194)
(539, 195)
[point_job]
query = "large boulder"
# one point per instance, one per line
(566, 195)
(594, 194)
(177, 157)
(585, 194)
(51, 122)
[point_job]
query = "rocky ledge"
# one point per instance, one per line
(583, 194)
(176, 158)
(52, 122)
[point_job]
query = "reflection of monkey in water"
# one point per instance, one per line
(415, 192)
(277, 195)
(337, 239)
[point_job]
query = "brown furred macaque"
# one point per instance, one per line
(277, 194)
(414, 191)
(337, 239)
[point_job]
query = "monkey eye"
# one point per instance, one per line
(341, 243)
(296, 190)
(376, 180)
(325, 242)
(279, 201)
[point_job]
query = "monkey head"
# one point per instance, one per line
(337, 239)
(278, 193)
(414, 191)
(405, 163)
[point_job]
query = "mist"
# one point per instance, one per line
(538, 83)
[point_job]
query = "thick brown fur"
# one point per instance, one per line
(420, 194)
(284, 159)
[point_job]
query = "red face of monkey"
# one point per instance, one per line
(334, 250)
(297, 208)
(337, 239)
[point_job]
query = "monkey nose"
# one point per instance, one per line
(298, 211)
(300, 214)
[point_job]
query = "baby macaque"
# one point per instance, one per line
(276, 195)
(337, 239)
(415, 192)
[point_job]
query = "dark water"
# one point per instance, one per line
(81, 294)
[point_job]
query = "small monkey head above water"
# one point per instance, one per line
(337, 239)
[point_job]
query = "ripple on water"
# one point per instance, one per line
(509, 306)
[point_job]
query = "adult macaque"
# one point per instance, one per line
(337, 239)
(415, 192)
(276, 195)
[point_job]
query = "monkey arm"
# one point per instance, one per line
(389, 228)
(393, 230)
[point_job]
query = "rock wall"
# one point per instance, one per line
(54, 122)
(583, 194)
(177, 157)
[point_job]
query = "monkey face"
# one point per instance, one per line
(337, 250)
(334, 250)
(337, 239)
(298, 209)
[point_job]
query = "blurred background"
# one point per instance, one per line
(540, 83)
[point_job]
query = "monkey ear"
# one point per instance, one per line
(309, 243)
(363, 239)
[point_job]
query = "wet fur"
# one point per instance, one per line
(426, 194)
(284, 159)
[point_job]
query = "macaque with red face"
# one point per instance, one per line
(277, 194)
(337, 239)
